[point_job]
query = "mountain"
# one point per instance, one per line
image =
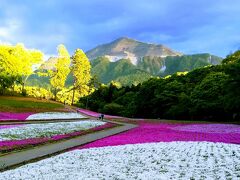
(171, 64)
(126, 73)
(126, 48)
(49, 64)
(122, 71)
(131, 62)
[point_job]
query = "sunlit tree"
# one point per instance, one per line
(18, 61)
(61, 70)
(81, 68)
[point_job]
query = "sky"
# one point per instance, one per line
(187, 26)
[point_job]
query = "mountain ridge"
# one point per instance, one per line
(126, 48)
(127, 72)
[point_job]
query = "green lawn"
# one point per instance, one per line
(20, 104)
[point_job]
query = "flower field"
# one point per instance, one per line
(173, 160)
(153, 150)
(23, 135)
(9, 145)
(167, 132)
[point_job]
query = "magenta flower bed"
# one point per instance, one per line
(210, 128)
(14, 116)
(95, 114)
(166, 132)
(16, 144)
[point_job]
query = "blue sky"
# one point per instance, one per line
(188, 26)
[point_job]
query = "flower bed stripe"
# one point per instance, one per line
(162, 132)
(14, 116)
(7, 146)
(10, 126)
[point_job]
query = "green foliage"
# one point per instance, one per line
(232, 58)
(16, 64)
(152, 65)
(232, 68)
(81, 68)
(61, 71)
(122, 71)
(112, 108)
(210, 93)
(127, 73)
(188, 62)
(207, 97)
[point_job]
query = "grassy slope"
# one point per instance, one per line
(26, 104)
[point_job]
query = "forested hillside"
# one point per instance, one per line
(210, 93)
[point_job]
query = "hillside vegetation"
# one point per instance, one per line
(210, 93)
(129, 61)
(126, 73)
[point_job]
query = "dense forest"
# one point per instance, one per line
(208, 93)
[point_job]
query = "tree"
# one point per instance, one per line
(208, 97)
(27, 58)
(61, 71)
(17, 61)
(92, 84)
(81, 72)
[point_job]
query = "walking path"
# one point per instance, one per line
(17, 158)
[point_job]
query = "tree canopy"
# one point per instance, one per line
(210, 93)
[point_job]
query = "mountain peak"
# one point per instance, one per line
(124, 38)
(130, 40)
(126, 48)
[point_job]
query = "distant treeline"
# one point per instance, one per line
(209, 93)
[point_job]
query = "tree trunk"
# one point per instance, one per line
(23, 85)
(55, 94)
(73, 96)
(12, 93)
(23, 89)
(87, 103)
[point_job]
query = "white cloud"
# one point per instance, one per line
(9, 30)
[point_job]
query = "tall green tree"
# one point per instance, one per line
(61, 71)
(81, 69)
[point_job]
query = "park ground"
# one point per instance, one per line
(151, 149)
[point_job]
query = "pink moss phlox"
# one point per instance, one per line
(162, 132)
(14, 116)
(210, 128)
(9, 145)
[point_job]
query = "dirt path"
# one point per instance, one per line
(18, 158)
